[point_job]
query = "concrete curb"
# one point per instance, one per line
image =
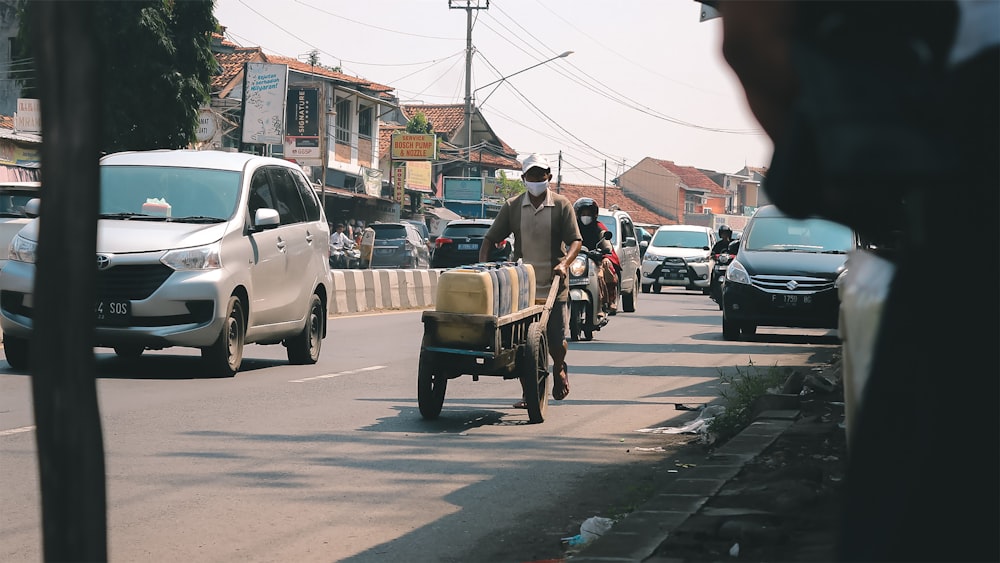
(636, 537)
(358, 291)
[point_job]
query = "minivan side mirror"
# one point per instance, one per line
(33, 206)
(265, 218)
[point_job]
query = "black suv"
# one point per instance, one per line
(459, 244)
(786, 273)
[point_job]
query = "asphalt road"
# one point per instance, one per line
(333, 462)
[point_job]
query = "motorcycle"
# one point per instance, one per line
(722, 261)
(586, 310)
(345, 257)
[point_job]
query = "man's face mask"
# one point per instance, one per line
(536, 188)
(586, 219)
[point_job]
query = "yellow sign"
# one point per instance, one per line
(398, 180)
(413, 146)
(418, 176)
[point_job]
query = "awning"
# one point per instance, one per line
(442, 213)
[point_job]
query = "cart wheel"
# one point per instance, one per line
(431, 385)
(534, 373)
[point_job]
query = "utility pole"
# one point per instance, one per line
(468, 6)
(559, 175)
(605, 183)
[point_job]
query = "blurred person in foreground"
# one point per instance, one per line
(547, 237)
(884, 117)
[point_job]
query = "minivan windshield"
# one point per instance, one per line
(609, 222)
(782, 234)
(680, 239)
(169, 193)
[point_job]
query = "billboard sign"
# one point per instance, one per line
(264, 87)
(413, 146)
(463, 189)
(302, 125)
(28, 117)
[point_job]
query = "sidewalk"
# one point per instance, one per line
(725, 501)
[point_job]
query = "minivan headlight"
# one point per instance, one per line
(651, 255)
(697, 260)
(23, 250)
(579, 266)
(736, 273)
(199, 258)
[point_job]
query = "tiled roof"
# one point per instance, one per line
(615, 196)
(232, 65)
(300, 66)
(6, 121)
(445, 119)
(692, 177)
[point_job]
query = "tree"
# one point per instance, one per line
(419, 124)
(156, 72)
(506, 187)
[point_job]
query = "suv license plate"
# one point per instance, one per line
(468, 246)
(786, 300)
(116, 311)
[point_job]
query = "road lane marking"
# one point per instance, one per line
(13, 431)
(338, 374)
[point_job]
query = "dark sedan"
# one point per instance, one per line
(785, 274)
(399, 245)
(459, 244)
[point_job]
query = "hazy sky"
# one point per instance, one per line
(646, 78)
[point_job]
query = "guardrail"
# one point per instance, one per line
(357, 291)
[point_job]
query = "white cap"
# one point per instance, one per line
(535, 160)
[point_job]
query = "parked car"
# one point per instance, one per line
(786, 273)
(205, 249)
(399, 245)
(679, 255)
(14, 196)
(626, 245)
(643, 236)
(460, 241)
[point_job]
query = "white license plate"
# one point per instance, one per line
(384, 250)
(468, 246)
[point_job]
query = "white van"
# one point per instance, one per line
(206, 249)
(679, 255)
(626, 245)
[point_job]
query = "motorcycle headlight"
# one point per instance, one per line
(736, 273)
(23, 250)
(199, 258)
(579, 266)
(696, 260)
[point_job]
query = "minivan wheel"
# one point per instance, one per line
(304, 347)
(17, 351)
(645, 287)
(223, 358)
(730, 329)
(628, 299)
(129, 351)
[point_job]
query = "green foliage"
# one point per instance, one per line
(156, 72)
(418, 124)
(507, 188)
(739, 391)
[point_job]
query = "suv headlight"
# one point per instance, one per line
(736, 273)
(579, 266)
(199, 258)
(23, 250)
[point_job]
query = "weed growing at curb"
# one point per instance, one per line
(739, 391)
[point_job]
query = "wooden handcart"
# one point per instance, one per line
(512, 346)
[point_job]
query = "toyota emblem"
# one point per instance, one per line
(103, 261)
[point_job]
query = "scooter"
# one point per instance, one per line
(345, 257)
(722, 261)
(586, 311)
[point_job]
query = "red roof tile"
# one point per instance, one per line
(692, 177)
(447, 119)
(300, 66)
(232, 65)
(636, 210)
(7, 121)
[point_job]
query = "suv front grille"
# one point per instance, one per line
(786, 284)
(131, 282)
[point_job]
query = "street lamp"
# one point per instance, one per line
(470, 93)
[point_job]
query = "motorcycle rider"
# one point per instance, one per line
(592, 232)
(341, 242)
(720, 247)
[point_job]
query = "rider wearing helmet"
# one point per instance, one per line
(592, 232)
(725, 237)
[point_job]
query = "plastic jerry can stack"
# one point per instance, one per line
(482, 289)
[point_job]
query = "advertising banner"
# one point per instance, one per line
(302, 126)
(398, 180)
(418, 176)
(413, 146)
(463, 189)
(264, 87)
(28, 117)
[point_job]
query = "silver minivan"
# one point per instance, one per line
(627, 247)
(204, 249)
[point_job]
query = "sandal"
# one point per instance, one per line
(560, 384)
(522, 404)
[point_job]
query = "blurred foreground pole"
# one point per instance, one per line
(70, 446)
